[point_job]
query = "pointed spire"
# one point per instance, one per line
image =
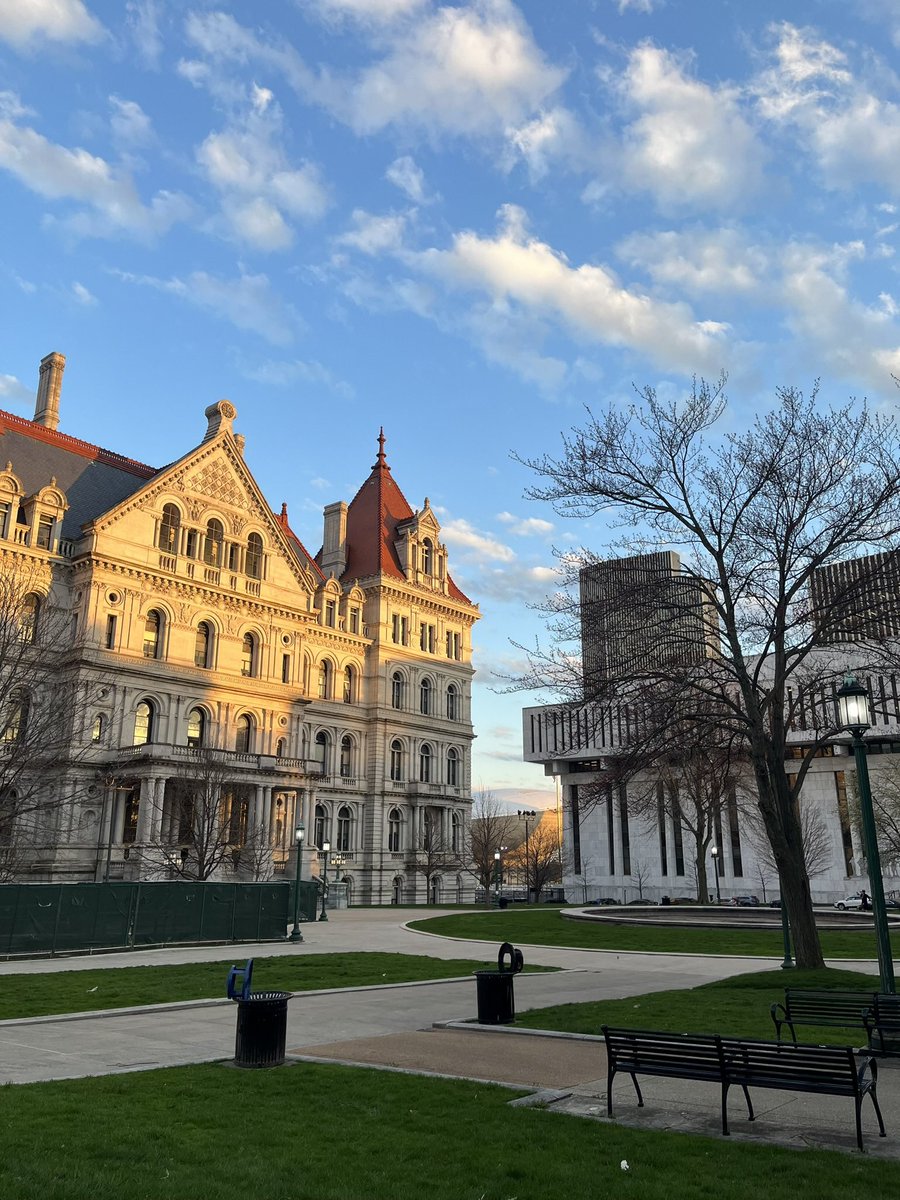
(381, 461)
(283, 515)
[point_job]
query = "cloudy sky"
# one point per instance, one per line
(463, 222)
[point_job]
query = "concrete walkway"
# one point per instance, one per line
(394, 1028)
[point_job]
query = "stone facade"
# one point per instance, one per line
(206, 648)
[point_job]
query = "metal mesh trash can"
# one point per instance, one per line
(261, 1029)
(494, 989)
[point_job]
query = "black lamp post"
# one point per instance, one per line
(326, 848)
(715, 857)
(853, 713)
(527, 814)
(296, 935)
(498, 873)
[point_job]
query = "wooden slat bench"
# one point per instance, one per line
(827, 1070)
(802, 1006)
(883, 1024)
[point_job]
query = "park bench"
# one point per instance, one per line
(883, 1024)
(804, 1006)
(826, 1070)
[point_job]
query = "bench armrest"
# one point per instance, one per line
(869, 1066)
(782, 1019)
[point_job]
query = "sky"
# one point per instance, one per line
(463, 222)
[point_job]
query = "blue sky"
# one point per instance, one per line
(461, 222)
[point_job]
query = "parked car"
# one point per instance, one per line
(776, 903)
(745, 901)
(854, 901)
(604, 900)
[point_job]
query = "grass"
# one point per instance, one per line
(124, 987)
(317, 1132)
(738, 1007)
(541, 927)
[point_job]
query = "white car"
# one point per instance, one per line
(854, 901)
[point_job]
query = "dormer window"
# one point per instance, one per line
(44, 534)
(428, 556)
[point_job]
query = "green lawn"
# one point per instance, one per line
(546, 927)
(123, 987)
(738, 1007)
(317, 1132)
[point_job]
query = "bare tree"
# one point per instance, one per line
(885, 806)
(491, 831)
(538, 857)
(641, 873)
(748, 636)
(817, 848)
(436, 856)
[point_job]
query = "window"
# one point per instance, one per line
(248, 655)
(319, 831)
(196, 727)
(425, 689)
(343, 828)
(324, 679)
(394, 830)
(15, 724)
(111, 631)
(354, 620)
(5, 509)
(202, 645)
(452, 702)
(349, 688)
(44, 532)
(215, 540)
(169, 528)
(254, 557)
(453, 645)
(397, 690)
(399, 630)
(97, 729)
(428, 556)
(427, 634)
(396, 760)
(31, 613)
(8, 804)
(321, 753)
(190, 545)
(331, 613)
(346, 756)
(234, 556)
(285, 668)
(244, 734)
(455, 833)
(425, 756)
(152, 630)
(453, 767)
(143, 723)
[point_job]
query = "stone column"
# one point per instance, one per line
(144, 812)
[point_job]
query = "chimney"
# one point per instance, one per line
(46, 410)
(334, 542)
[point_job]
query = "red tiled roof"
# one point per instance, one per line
(305, 556)
(65, 441)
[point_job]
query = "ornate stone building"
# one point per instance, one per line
(209, 654)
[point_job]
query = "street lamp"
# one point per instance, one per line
(296, 935)
(326, 847)
(853, 713)
(715, 857)
(527, 814)
(498, 873)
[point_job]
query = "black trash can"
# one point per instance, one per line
(494, 989)
(261, 1029)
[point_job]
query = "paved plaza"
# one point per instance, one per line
(421, 1028)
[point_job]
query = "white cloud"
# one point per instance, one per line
(374, 235)
(476, 546)
(12, 389)
(691, 145)
(554, 135)
(142, 21)
(58, 173)
(699, 261)
(247, 302)
(407, 176)
(129, 123)
(526, 526)
(641, 6)
(514, 582)
(366, 10)
(296, 371)
(26, 21)
(82, 295)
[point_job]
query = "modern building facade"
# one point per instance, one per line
(209, 653)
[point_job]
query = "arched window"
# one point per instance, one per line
(248, 655)
(144, 718)
(452, 702)
(425, 690)
(215, 541)
(15, 719)
(394, 830)
(397, 690)
(324, 679)
(428, 829)
(319, 832)
(254, 557)
(169, 528)
(453, 767)
(29, 618)
(428, 556)
(344, 818)
(196, 727)
(202, 644)
(244, 735)
(98, 728)
(280, 747)
(152, 633)
(425, 756)
(396, 760)
(349, 685)
(321, 753)
(455, 833)
(346, 756)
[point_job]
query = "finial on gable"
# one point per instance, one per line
(381, 461)
(220, 418)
